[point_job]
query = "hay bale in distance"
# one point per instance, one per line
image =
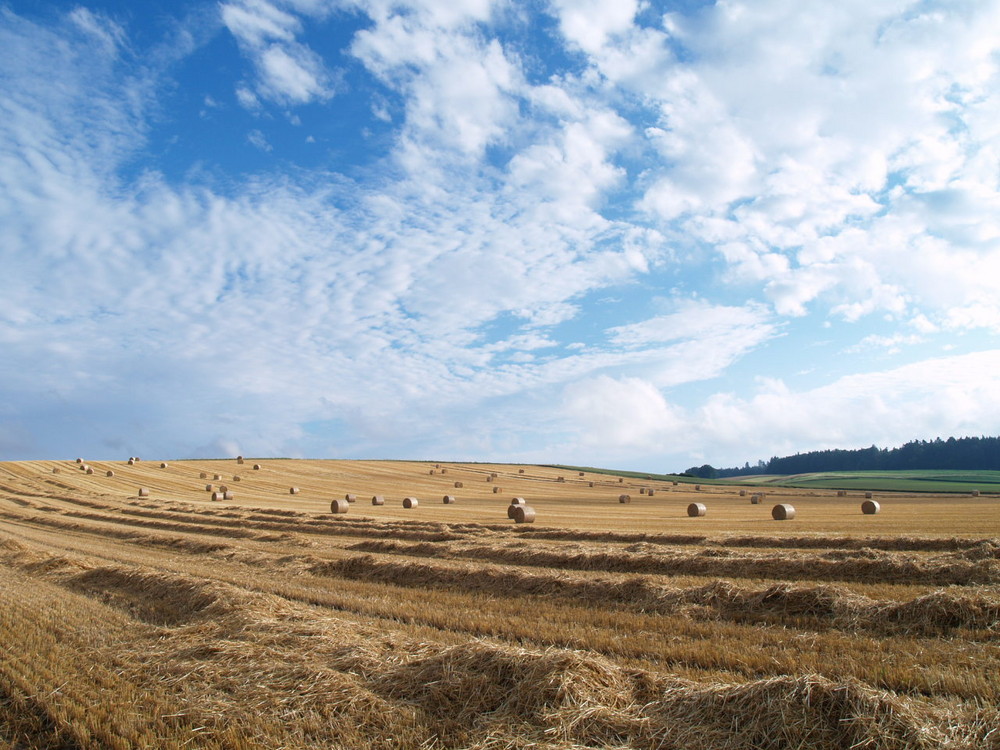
(841, 493)
(217, 497)
(650, 492)
(448, 499)
(580, 474)
(870, 507)
(621, 480)
(163, 464)
(523, 514)
(227, 495)
(444, 471)
(203, 475)
(84, 467)
(223, 488)
(493, 474)
(143, 492)
(293, 490)
(517, 501)
(131, 462)
(624, 498)
(743, 493)
(520, 471)
(351, 497)
(55, 469)
(696, 510)
(497, 490)
(697, 488)
(256, 467)
(642, 490)
(868, 496)
(217, 477)
(209, 488)
(339, 506)
(782, 512)
(458, 485)
(79, 460)
(975, 493)
(560, 479)
(755, 499)
(432, 472)
(90, 470)
(591, 484)
(489, 478)
(410, 502)
(378, 500)
(236, 478)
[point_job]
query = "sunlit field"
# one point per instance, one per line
(264, 620)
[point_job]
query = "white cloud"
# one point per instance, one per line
(288, 72)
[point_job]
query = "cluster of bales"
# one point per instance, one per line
(781, 511)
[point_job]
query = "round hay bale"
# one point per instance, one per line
(90, 470)
(203, 475)
(444, 471)
(437, 466)
(870, 507)
(84, 467)
(256, 467)
(239, 459)
(621, 480)
(524, 514)
(591, 484)
(517, 501)
(697, 488)
(493, 474)
(841, 493)
(163, 464)
(293, 490)
(650, 493)
(782, 512)
(696, 510)
(489, 478)
(209, 488)
(79, 460)
(378, 500)
(458, 485)
(624, 498)
(55, 469)
(143, 492)
(868, 496)
(217, 477)
(227, 496)
(560, 479)
(448, 499)
(580, 474)
(410, 502)
(351, 497)
(432, 472)
(236, 478)
(755, 499)
(339, 506)
(642, 490)
(674, 484)
(975, 493)
(743, 493)
(520, 471)
(497, 490)
(223, 488)
(131, 462)
(510, 510)
(217, 497)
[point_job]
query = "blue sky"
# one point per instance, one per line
(643, 235)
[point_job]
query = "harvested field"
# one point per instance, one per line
(267, 621)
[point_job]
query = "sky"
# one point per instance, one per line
(638, 234)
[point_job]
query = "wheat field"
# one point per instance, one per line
(265, 621)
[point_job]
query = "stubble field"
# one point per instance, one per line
(265, 621)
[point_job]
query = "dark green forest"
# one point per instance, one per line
(953, 453)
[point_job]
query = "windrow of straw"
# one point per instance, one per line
(868, 566)
(824, 605)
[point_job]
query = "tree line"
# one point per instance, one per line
(953, 453)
